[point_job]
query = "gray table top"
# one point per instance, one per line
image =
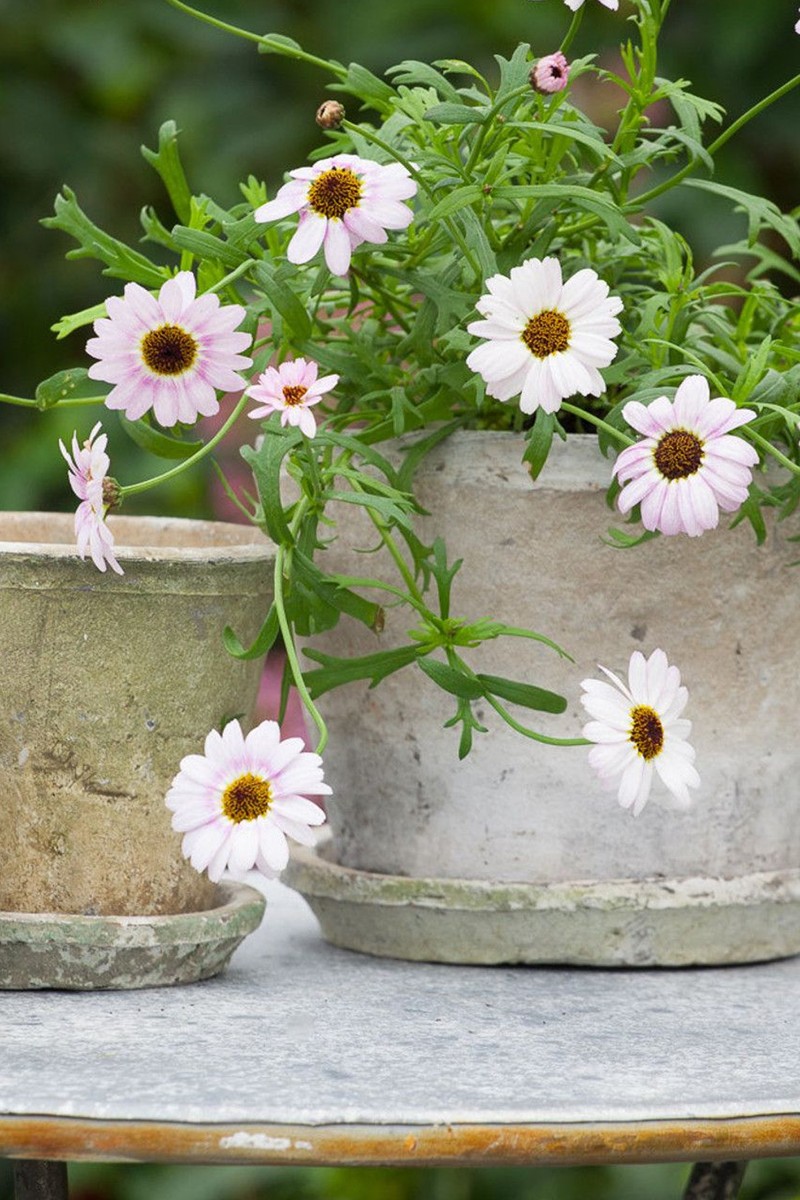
(303, 1052)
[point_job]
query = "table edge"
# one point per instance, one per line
(76, 1139)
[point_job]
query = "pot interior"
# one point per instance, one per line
(39, 531)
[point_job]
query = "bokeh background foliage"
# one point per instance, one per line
(83, 84)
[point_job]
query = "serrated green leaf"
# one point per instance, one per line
(267, 636)
(167, 162)
(283, 299)
(457, 114)
(203, 245)
(121, 262)
(265, 464)
(336, 671)
(525, 694)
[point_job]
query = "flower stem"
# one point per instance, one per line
(291, 653)
(593, 420)
(279, 46)
(768, 448)
(133, 488)
(574, 26)
(72, 402)
(531, 733)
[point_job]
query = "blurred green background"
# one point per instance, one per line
(83, 83)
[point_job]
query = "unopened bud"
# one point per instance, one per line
(330, 114)
(550, 74)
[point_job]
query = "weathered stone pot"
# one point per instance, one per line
(107, 682)
(520, 835)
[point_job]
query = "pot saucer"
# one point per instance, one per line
(613, 923)
(79, 953)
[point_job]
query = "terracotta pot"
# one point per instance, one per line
(514, 812)
(107, 682)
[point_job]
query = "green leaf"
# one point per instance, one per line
(423, 73)
(283, 300)
(335, 594)
(265, 464)
(121, 262)
(467, 687)
(64, 384)
(78, 320)
(156, 442)
(368, 87)
(539, 441)
(760, 212)
(395, 512)
(582, 197)
(265, 640)
(525, 694)
(458, 198)
(205, 245)
(167, 162)
(335, 671)
(457, 114)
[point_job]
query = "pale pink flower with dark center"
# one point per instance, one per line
(238, 803)
(550, 74)
(546, 337)
(170, 354)
(797, 27)
(688, 467)
(343, 201)
(638, 731)
(88, 468)
(576, 4)
(291, 389)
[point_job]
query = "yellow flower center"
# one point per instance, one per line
(547, 333)
(168, 350)
(678, 454)
(335, 192)
(647, 732)
(246, 798)
(294, 395)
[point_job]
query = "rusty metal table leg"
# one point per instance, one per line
(715, 1181)
(34, 1180)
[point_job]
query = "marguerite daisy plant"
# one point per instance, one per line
(458, 253)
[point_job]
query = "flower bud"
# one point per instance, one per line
(330, 114)
(111, 493)
(550, 74)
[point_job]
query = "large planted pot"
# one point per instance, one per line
(516, 854)
(107, 682)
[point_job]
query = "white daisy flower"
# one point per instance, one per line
(687, 467)
(343, 201)
(546, 338)
(171, 353)
(237, 803)
(88, 476)
(576, 4)
(638, 730)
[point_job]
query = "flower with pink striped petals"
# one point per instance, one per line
(88, 470)
(238, 803)
(342, 201)
(576, 4)
(170, 354)
(546, 337)
(291, 389)
(688, 466)
(638, 731)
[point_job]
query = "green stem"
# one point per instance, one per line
(72, 402)
(726, 134)
(531, 733)
(278, 47)
(133, 488)
(242, 269)
(574, 26)
(768, 448)
(291, 653)
(593, 420)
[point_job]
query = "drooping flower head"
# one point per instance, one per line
(550, 74)
(576, 4)
(291, 389)
(342, 201)
(638, 731)
(688, 466)
(170, 353)
(237, 803)
(88, 470)
(546, 338)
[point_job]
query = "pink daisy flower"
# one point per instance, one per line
(546, 337)
(291, 389)
(343, 201)
(687, 467)
(237, 803)
(638, 731)
(550, 74)
(88, 468)
(171, 353)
